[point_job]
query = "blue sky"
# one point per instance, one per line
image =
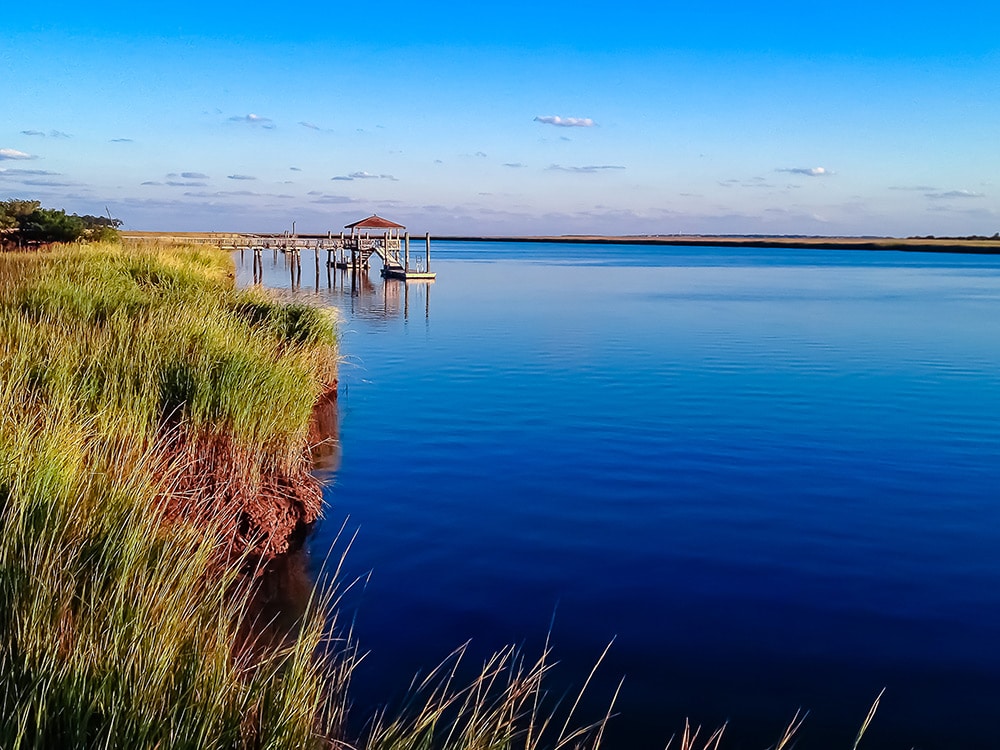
(515, 118)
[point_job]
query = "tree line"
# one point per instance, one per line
(26, 223)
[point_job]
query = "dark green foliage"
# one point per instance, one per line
(293, 322)
(24, 222)
(50, 225)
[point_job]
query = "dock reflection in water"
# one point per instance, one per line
(364, 296)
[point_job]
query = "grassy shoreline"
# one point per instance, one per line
(152, 416)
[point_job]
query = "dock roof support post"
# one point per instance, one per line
(427, 241)
(406, 264)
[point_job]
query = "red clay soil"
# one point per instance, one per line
(265, 508)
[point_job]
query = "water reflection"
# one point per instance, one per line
(281, 588)
(324, 437)
(280, 596)
(772, 475)
(355, 292)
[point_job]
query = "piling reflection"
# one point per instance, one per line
(338, 283)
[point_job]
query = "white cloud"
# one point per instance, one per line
(807, 171)
(241, 177)
(566, 122)
(13, 154)
(589, 169)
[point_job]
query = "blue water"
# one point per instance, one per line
(772, 476)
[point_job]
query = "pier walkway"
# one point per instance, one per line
(345, 250)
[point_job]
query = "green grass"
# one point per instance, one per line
(120, 595)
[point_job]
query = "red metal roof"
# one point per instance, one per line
(374, 222)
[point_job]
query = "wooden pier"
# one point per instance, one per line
(354, 250)
(351, 249)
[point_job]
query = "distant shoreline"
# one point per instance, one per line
(909, 244)
(935, 245)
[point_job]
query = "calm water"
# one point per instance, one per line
(773, 476)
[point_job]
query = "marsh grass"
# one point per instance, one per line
(119, 596)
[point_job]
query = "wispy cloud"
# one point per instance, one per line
(514, 164)
(219, 193)
(178, 183)
(566, 122)
(309, 125)
(121, 140)
(916, 188)
(480, 154)
(11, 154)
(191, 175)
(333, 199)
(252, 119)
(43, 134)
(753, 182)
(241, 177)
(364, 176)
(295, 169)
(17, 173)
(234, 194)
(48, 183)
(807, 171)
(955, 194)
(589, 169)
